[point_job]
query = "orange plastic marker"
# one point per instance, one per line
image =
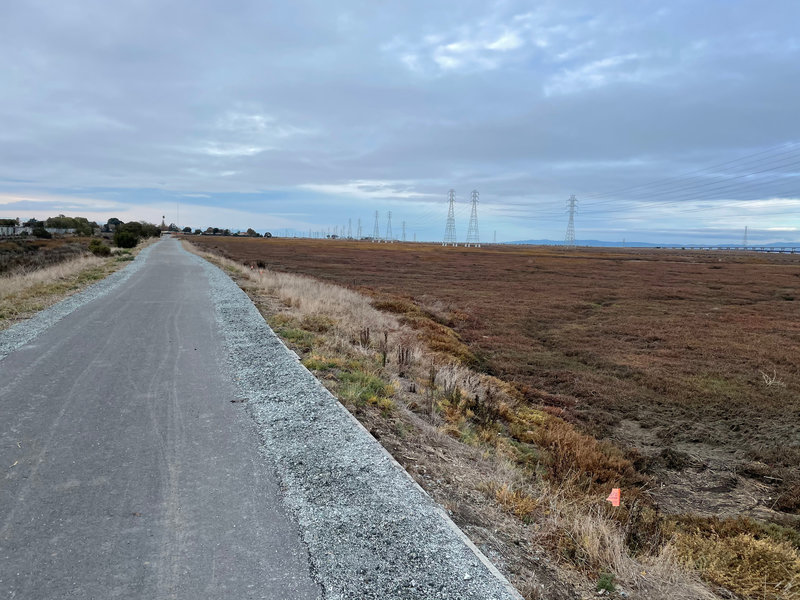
(613, 497)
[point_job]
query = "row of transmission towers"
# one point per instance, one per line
(346, 232)
(388, 236)
(473, 236)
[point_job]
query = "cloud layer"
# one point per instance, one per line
(306, 114)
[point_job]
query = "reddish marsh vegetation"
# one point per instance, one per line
(625, 345)
(687, 359)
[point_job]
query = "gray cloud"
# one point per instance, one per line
(333, 110)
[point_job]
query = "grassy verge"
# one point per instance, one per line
(23, 293)
(524, 484)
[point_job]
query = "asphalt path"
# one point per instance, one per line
(127, 469)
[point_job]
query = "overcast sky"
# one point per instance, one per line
(670, 121)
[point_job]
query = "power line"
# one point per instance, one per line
(722, 182)
(793, 148)
(679, 196)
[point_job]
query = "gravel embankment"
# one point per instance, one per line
(22, 333)
(371, 531)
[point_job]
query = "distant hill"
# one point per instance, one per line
(590, 243)
(602, 244)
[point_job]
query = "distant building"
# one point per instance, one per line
(17, 230)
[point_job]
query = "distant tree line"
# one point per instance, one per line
(125, 235)
(217, 231)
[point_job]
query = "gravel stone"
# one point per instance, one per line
(23, 332)
(371, 531)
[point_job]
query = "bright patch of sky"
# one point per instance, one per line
(305, 116)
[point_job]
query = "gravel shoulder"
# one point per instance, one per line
(371, 531)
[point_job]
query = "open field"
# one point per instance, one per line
(684, 360)
(689, 358)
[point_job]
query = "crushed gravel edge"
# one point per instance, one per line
(372, 532)
(23, 332)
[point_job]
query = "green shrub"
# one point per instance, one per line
(606, 582)
(98, 248)
(360, 387)
(125, 239)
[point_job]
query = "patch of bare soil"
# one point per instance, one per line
(700, 478)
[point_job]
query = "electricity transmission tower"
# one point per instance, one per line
(404, 231)
(494, 239)
(376, 232)
(473, 238)
(450, 228)
(569, 240)
(389, 236)
(744, 241)
(359, 230)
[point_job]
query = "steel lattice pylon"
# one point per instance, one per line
(389, 236)
(376, 232)
(473, 237)
(569, 239)
(450, 228)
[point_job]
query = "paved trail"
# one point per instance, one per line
(125, 470)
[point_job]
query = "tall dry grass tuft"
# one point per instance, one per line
(589, 537)
(743, 563)
(20, 282)
(354, 325)
(24, 293)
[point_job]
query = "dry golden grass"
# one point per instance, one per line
(21, 282)
(517, 502)
(571, 451)
(26, 292)
(754, 568)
